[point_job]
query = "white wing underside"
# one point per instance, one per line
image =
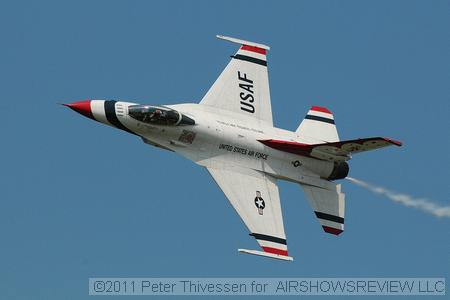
(254, 196)
(243, 86)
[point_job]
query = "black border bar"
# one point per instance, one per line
(269, 238)
(329, 217)
(321, 119)
(251, 59)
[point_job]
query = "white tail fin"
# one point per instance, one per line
(319, 125)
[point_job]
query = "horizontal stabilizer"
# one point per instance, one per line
(337, 151)
(266, 254)
(328, 206)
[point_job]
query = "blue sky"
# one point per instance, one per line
(82, 200)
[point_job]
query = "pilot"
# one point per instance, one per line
(156, 115)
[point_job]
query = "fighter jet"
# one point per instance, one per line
(231, 133)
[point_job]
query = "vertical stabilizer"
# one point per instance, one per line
(319, 125)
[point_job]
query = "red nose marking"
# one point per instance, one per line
(82, 107)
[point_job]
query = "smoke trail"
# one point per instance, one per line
(422, 204)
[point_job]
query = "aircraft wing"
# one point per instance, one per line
(336, 151)
(254, 196)
(328, 205)
(243, 86)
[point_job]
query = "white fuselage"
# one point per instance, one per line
(225, 139)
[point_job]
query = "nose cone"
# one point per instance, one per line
(82, 107)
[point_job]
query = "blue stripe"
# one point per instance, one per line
(110, 112)
(321, 119)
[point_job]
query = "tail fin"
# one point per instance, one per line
(319, 125)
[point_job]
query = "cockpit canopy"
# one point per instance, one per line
(158, 115)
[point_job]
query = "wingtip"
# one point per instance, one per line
(332, 230)
(393, 142)
(242, 42)
(321, 109)
(266, 254)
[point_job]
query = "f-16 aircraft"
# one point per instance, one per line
(231, 133)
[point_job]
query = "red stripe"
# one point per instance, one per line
(321, 109)
(253, 49)
(275, 251)
(332, 230)
(270, 142)
(287, 146)
(397, 143)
